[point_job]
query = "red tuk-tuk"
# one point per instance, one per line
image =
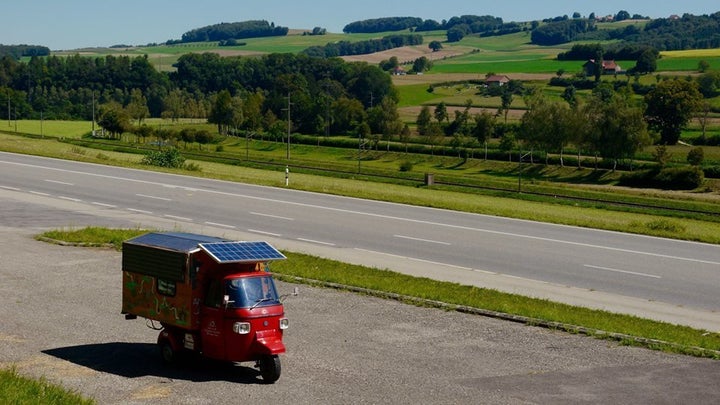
(210, 296)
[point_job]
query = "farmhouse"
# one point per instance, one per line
(609, 67)
(497, 80)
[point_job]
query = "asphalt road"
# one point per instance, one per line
(60, 318)
(657, 278)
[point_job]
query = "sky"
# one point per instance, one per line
(74, 24)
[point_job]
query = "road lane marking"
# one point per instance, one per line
(220, 225)
(69, 199)
(103, 204)
(390, 217)
(60, 182)
(178, 218)
(10, 188)
(152, 197)
(634, 273)
(277, 235)
(272, 216)
(316, 241)
(422, 240)
(140, 211)
(39, 193)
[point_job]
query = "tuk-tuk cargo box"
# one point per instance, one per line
(165, 275)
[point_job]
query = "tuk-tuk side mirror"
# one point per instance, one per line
(294, 294)
(226, 301)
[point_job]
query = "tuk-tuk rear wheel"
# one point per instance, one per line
(168, 355)
(270, 368)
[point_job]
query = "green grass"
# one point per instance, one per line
(16, 389)
(93, 236)
(310, 269)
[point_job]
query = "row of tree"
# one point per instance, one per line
(347, 48)
(609, 124)
(20, 51)
(236, 30)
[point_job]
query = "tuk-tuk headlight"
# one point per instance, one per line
(242, 328)
(284, 323)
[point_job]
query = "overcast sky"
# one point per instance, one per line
(72, 24)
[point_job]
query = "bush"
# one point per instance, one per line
(164, 158)
(712, 172)
(673, 178)
(696, 156)
(406, 166)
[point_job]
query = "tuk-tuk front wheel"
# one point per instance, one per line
(270, 368)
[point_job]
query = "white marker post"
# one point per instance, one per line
(287, 175)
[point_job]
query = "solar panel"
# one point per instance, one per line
(241, 252)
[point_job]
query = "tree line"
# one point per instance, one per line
(236, 30)
(347, 48)
(663, 34)
(20, 51)
(255, 94)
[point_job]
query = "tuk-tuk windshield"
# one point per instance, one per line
(253, 292)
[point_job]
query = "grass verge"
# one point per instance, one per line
(627, 329)
(16, 389)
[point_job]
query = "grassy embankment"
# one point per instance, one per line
(302, 268)
(16, 389)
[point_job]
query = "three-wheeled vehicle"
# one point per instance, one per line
(209, 295)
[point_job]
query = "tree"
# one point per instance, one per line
(222, 111)
(174, 105)
(137, 108)
(422, 64)
(113, 118)
(441, 113)
(423, 120)
(670, 106)
(703, 66)
(506, 99)
(617, 128)
(435, 46)
(484, 128)
(696, 156)
(647, 62)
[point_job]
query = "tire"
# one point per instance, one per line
(270, 368)
(167, 353)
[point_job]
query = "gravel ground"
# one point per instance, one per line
(60, 318)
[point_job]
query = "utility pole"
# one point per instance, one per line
(8, 97)
(287, 153)
(93, 113)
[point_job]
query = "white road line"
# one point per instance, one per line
(60, 182)
(316, 241)
(152, 197)
(178, 218)
(422, 240)
(272, 216)
(277, 235)
(40, 193)
(103, 204)
(10, 188)
(69, 199)
(220, 225)
(488, 231)
(140, 211)
(634, 273)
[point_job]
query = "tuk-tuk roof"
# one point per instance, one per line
(174, 241)
(221, 250)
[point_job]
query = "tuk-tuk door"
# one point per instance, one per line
(212, 321)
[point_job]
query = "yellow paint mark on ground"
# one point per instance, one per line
(50, 367)
(11, 338)
(152, 392)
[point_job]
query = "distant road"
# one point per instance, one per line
(659, 278)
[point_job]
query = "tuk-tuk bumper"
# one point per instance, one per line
(268, 342)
